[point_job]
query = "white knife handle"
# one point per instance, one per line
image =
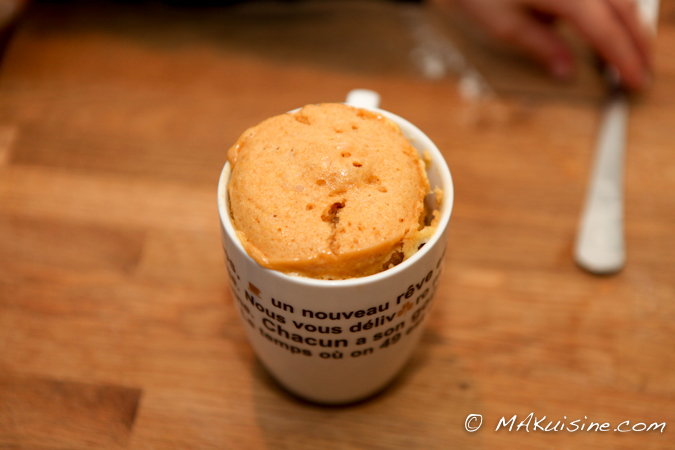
(600, 246)
(649, 10)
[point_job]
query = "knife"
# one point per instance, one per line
(600, 247)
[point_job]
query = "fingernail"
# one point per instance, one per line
(561, 69)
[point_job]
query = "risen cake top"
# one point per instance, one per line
(329, 192)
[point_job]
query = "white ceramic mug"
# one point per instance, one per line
(339, 341)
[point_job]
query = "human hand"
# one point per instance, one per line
(9, 9)
(612, 27)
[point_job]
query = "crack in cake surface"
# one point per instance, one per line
(331, 216)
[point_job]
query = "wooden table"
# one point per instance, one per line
(117, 325)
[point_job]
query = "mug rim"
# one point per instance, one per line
(446, 209)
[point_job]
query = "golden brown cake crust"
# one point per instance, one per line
(330, 192)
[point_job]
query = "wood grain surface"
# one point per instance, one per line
(117, 325)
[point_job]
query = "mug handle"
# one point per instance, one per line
(363, 98)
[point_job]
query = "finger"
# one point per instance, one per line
(627, 11)
(521, 29)
(600, 25)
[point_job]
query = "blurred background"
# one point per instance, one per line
(117, 325)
